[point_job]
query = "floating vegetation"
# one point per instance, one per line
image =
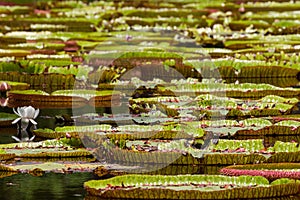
(51, 167)
(62, 99)
(184, 152)
(124, 132)
(6, 119)
(189, 187)
(213, 106)
(48, 82)
(244, 90)
(8, 85)
(156, 87)
(46, 149)
(270, 171)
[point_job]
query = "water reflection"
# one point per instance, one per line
(48, 186)
(6, 135)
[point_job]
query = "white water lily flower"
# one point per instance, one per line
(26, 113)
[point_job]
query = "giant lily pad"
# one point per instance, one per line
(280, 152)
(64, 98)
(124, 132)
(14, 85)
(104, 98)
(57, 167)
(288, 127)
(190, 187)
(78, 24)
(147, 63)
(6, 119)
(46, 149)
(245, 90)
(211, 105)
(270, 171)
(45, 81)
(38, 98)
(181, 152)
(250, 127)
(6, 156)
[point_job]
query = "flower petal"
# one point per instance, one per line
(32, 138)
(29, 112)
(16, 120)
(33, 122)
(16, 112)
(21, 111)
(37, 111)
(25, 139)
(15, 138)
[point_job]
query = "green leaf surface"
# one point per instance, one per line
(186, 186)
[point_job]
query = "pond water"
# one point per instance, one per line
(48, 186)
(6, 135)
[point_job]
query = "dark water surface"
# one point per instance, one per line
(48, 186)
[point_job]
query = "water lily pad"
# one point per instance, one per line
(38, 153)
(6, 173)
(146, 62)
(281, 128)
(189, 187)
(41, 99)
(124, 132)
(211, 105)
(258, 127)
(7, 156)
(270, 171)
(225, 152)
(239, 25)
(46, 149)
(6, 119)
(45, 81)
(104, 98)
(57, 167)
(14, 52)
(245, 90)
(62, 99)
(15, 85)
(280, 152)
